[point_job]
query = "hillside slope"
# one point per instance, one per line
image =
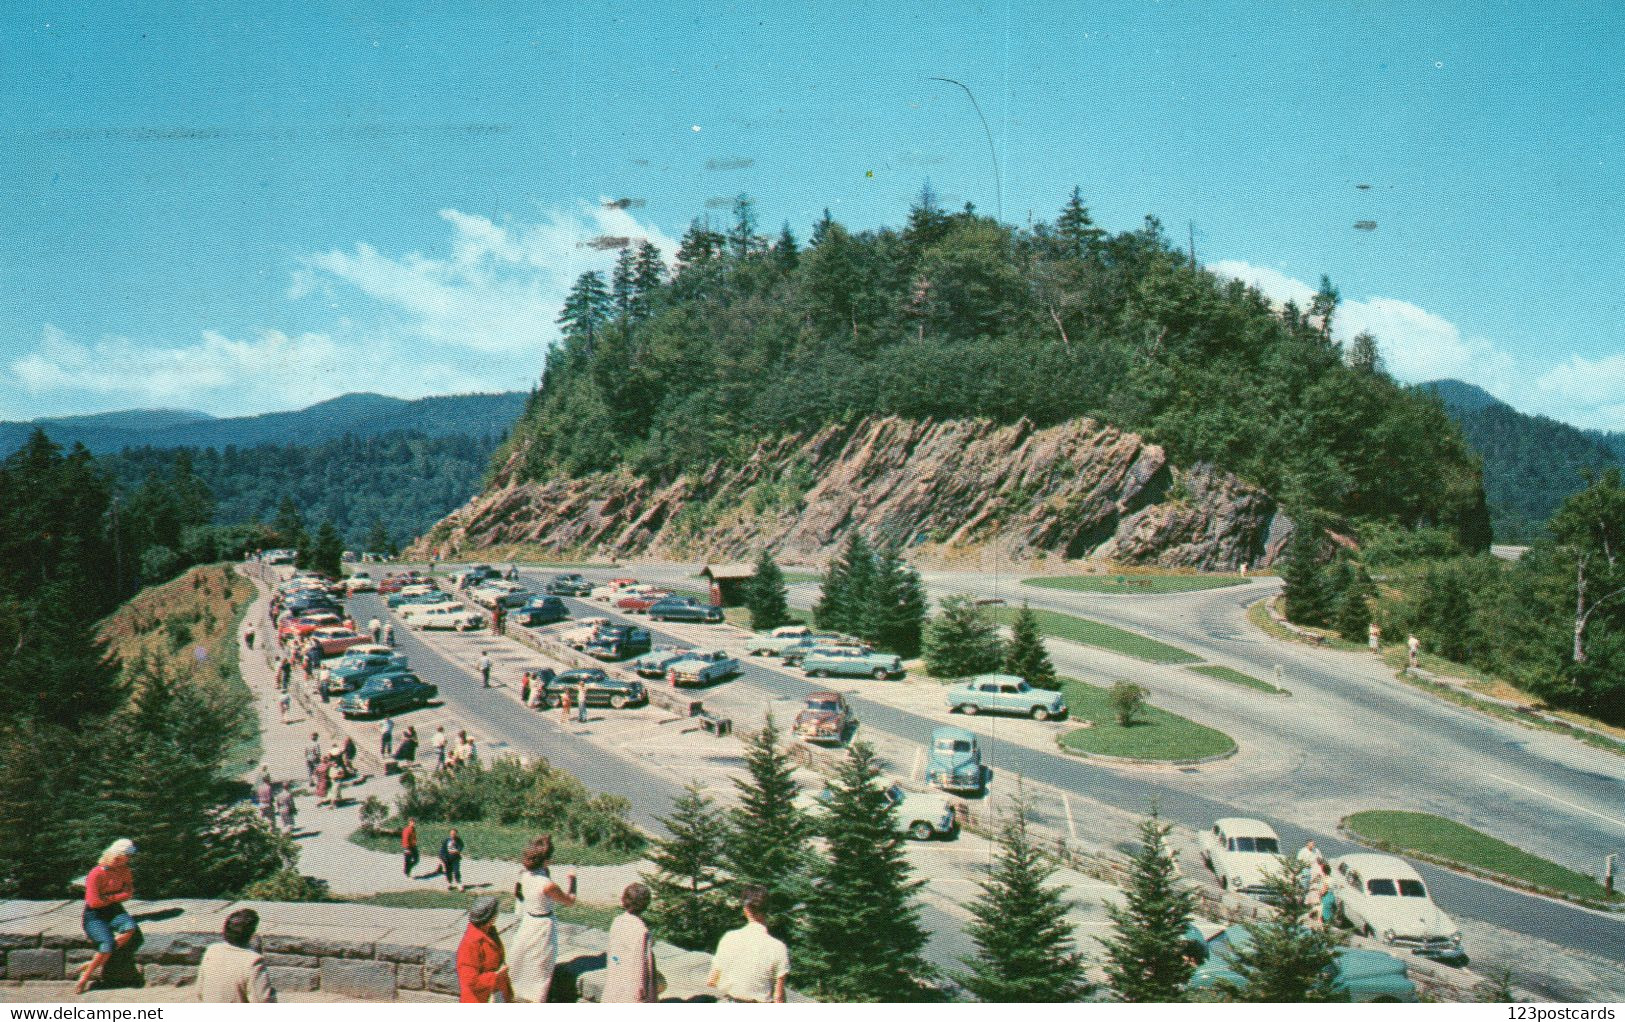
(954, 488)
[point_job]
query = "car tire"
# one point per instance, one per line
(880, 674)
(1224, 882)
(1039, 713)
(815, 674)
(618, 701)
(920, 831)
(969, 709)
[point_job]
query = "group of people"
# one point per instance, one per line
(1316, 876)
(274, 801)
(572, 700)
(329, 766)
(451, 753)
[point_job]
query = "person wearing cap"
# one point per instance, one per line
(481, 972)
(232, 972)
(107, 923)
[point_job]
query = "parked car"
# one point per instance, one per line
(335, 639)
(412, 611)
(395, 583)
(1241, 852)
(299, 627)
(452, 616)
(1005, 693)
(568, 585)
(417, 592)
(653, 664)
(1383, 896)
(684, 608)
(1362, 975)
(617, 642)
(819, 641)
(825, 718)
(955, 762)
(923, 815)
(585, 631)
(358, 665)
(541, 610)
(703, 668)
(386, 694)
(489, 594)
(774, 643)
(638, 601)
(602, 689)
(846, 662)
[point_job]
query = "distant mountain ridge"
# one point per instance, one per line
(1531, 462)
(359, 414)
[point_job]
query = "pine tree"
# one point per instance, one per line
(786, 256)
(742, 237)
(289, 525)
(1146, 959)
(1304, 589)
(1074, 227)
(863, 934)
(1025, 948)
(378, 539)
(586, 309)
(1353, 615)
(962, 641)
(622, 283)
(766, 597)
(690, 907)
(1025, 655)
(700, 245)
(894, 613)
(326, 554)
(1283, 960)
(846, 587)
(768, 833)
(648, 274)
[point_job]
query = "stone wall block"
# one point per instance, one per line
(35, 963)
(285, 977)
(366, 980)
(170, 975)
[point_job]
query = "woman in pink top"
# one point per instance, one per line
(107, 923)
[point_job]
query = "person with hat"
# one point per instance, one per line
(482, 973)
(107, 922)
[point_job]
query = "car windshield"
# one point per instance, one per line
(952, 745)
(1381, 888)
(1267, 845)
(822, 705)
(1412, 889)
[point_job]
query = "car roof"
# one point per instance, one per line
(1243, 826)
(1011, 679)
(951, 732)
(1369, 864)
(823, 696)
(369, 647)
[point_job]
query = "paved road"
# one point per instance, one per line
(1196, 799)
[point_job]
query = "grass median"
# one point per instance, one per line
(1093, 633)
(1157, 736)
(484, 840)
(1237, 678)
(1135, 584)
(1449, 843)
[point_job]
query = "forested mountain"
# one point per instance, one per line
(1531, 463)
(956, 315)
(352, 414)
(407, 481)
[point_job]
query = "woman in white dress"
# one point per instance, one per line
(535, 947)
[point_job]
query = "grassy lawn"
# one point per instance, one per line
(740, 617)
(1237, 678)
(494, 841)
(1453, 844)
(792, 578)
(1135, 583)
(1157, 735)
(1093, 633)
(582, 913)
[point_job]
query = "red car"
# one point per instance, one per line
(302, 626)
(394, 583)
(640, 602)
(335, 639)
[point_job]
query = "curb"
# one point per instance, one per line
(1129, 761)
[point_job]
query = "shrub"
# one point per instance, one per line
(509, 792)
(1127, 700)
(287, 885)
(374, 815)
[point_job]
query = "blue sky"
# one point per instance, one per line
(262, 205)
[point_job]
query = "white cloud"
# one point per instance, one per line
(1585, 392)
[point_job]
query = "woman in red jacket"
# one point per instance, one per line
(107, 924)
(481, 972)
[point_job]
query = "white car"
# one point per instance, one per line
(924, 815)
(487, 595)
(703, 668)
(1242, 853)
(412, 611)
(584, 631)
(1383, 896)
(449, 615)
(360, 582)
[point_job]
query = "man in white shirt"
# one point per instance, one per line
(751, 964)
(232, 972)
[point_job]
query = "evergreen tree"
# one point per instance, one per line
(326, 554)
(623, 283)
(1025, 948)
(786, 256)
(846, 587)
(768, 833)
(1304, 589)
(962, 641)
(742, 237)
(894, 613)
(289, 525)
(700, 244)
(586, 309)
(690, 907)
(46, 801)
(648, 274)
(379, 541)
(1283, 960)
(1075, 228)
(863, 935)
(1146, 959)
(1353, 614)
(1025, 655)
(766, 597)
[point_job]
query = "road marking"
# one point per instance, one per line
(1561, 802)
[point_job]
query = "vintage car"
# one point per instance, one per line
(360, 582)
(299, 627)
(416, 592)
(684, 608)
(1242, 853)
(585, 631)
(923, 815)
(1383, 896)
(602, 689)
(617, 642)
(541, 610)
(448, 616)
(778, 640)
(614, 587)
(847, 662)
(825, 719)
(568, 585)
(411, 611)
(1005, 693)
(394, 583)
(653, 664)
(703, 668)
(386, 694)
(638, 600)
(955, 760)
(489, 594)
(1362, 975)
(333, 640)
(819, 641)
(358, 664)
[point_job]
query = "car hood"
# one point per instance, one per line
(816, 717)
(952, 761)
(1360, 963)
(1251, 867)
(1408, 917)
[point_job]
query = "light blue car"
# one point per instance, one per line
(1361, 975)
(955, 763)
(1005, 693)
(847, 662)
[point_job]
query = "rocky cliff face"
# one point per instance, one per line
(1076, 490)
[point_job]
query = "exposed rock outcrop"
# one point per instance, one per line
(1075, 490)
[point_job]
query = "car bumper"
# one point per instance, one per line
(1429, 947)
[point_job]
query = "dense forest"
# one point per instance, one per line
(661, 371)
(405, 481)
(1531, 463)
